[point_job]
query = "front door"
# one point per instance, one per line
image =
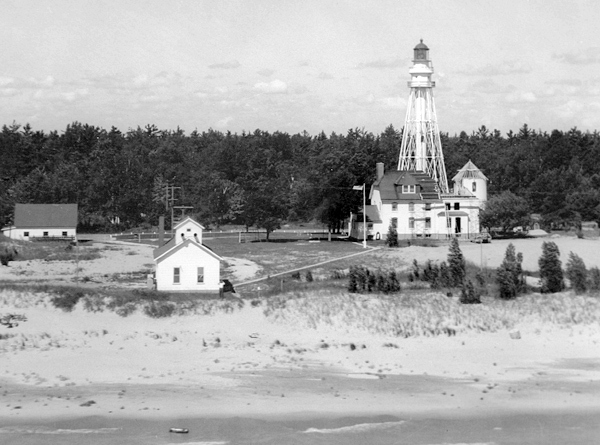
(457, 225)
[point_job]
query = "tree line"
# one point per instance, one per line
(261, 179)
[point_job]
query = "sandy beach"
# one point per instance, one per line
(244, 363)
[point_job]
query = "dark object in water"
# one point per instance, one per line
(179, 430)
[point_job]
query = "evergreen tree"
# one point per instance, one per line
(392, 236)
(509, 274)
(577, 273)
(456, 265)
(468, 295)
(551, 273)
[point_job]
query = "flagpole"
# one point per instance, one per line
(364, 215)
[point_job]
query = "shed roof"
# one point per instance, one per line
(171, 247)
(45, 215)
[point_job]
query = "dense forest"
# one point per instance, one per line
(261, 179)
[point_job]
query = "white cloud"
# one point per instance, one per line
(232, 64)
(6, 81)
(224, 122)
(273, 87)
(520, 97)
(47, 82)
(72, 95)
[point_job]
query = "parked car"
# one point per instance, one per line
(482, 238)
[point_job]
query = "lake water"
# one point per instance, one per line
(533, 428)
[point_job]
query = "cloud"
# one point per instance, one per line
(589, 57)
(232, 64)
(6, 92)
(222, 123)
(70, 96)
(325, 76)
(382, 64)
(265, 72)
(496, 69)
(521, 97)
(47, 82)
(6, 81)
(273, 87)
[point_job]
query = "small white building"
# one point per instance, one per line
(43, 221)
(184, 264)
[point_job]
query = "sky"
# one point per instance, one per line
(297, 65)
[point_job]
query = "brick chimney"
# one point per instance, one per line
(380, 170)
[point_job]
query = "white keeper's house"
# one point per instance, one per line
(43, 221)
(184, 264)
(411, 202)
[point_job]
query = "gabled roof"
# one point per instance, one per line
(469, 171)
(45, 215)
(171, 247)
(390, 186)
(186, 219)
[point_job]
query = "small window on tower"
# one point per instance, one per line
(474, 186)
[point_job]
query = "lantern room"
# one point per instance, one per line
(421, 53)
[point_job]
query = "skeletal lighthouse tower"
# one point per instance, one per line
(421, 146)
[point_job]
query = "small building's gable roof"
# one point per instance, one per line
(45, 215)
(171, 248)
(390, 186)
(187, 220)
(469, 171)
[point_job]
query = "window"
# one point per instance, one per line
(25, 233)
(411, 206)
(45, 233)
(176, 275)
(408, 189)
(428, 223)
(394, 222)
(394, 206)
(474, 186)
(64, 234)
(457, 206)
(411, 223)
(427, 206)
(200, 275)
(447, 206)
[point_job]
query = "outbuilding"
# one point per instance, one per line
(185, 264)
(43, 222)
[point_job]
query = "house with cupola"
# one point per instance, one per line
(411, 202)
(185, 264)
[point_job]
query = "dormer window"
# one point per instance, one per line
(408, 189)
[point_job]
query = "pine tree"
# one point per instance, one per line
(551, 273)
(392, 236)
(577, 273)
(509, 274)
(456, 265)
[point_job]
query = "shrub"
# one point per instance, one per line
(159, 309)
(361, 279)
(594, 279)
(456, 265)
(431, 274)
(67, 299)
(296, 276)
(468, 295)
(577, 273)
(392, 236)
(509, 275)
(7, 254)
(551, 273)
(415, 270)
(309, 276)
